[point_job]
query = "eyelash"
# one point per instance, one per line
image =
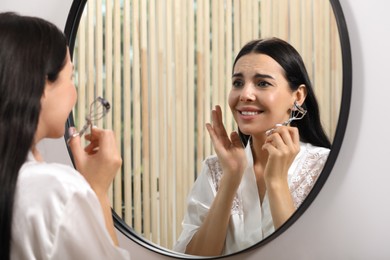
(261, 83)
(236, 82)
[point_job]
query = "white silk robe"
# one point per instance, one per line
(250, 220)
(58, 216)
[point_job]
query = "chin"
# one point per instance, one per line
(253, 132)
(245, 131)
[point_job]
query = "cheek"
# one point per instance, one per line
(232, 99)
(281, 106)
(70, 97)
(272, 99)
(278, 101)
(74, 96)
(66, 101)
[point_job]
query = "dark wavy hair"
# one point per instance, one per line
(310, 127)
(32, 51)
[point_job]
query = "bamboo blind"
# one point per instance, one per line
(163, 65)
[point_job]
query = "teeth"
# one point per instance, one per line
(249, 113)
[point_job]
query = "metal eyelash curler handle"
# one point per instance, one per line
(97, 110)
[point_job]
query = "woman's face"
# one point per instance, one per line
(56, 103)
(260, 96)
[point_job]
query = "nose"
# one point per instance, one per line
(247, 93)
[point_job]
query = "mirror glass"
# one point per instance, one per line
(163, 65)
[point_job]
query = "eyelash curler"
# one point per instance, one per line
(297, 113)
(97, 110)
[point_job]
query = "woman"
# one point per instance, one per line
(244, 193)
(49, 211)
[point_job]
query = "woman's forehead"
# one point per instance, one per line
(258, 63)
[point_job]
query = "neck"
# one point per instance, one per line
(260, 156)
(37, 155)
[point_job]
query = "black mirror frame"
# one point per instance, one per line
(71, 27)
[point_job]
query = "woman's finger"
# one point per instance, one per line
(217, 122)
(92, 146)
(236, 140)
(75, 146)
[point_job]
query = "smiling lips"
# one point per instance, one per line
(249, 113)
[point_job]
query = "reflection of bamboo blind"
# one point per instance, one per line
(163, 65)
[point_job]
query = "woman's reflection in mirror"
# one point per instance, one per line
(261, 174)
(49, 210)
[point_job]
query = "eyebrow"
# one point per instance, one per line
(257, 75)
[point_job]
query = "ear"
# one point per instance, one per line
(300, 94)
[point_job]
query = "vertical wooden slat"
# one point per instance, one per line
(283, 23)
(207, 98)
(327, 53)
(274, 18)
(221, 86)
(294, 25)
(337, 75)
(191, 99)
(154, 142)
(178, 113)
(318, 60)
(117, 106)
(127, 118)
(236, 26)
(266, 21)
(184, 168)
(201, 71)
(256, 19)
(90, 66)
(81, 104)
(163, 207)
(109, 65)
(246, 20)
(90, 54)
(145, 122)
(171, 199)
(109, 58)
(99, 51)
(307, 36)
(214, 53)
(228, 64)
(321, 61)
(136, 82)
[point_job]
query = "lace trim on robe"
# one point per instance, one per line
(216, 175)
(305, 175)
(301, 183)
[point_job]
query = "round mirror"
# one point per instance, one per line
(163, 65)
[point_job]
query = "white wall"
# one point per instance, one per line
(350, 218)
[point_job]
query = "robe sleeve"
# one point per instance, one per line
(82, 234)
(199, 202)
(58, 216)
(307, 174)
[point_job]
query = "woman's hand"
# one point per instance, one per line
(230, 152)
(282, 147)
(209, 239)
(99, 161)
